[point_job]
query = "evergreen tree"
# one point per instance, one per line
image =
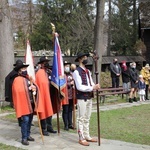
(73, 21)
(124, 27)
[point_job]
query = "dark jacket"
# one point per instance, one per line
(141, 85)
(114, 70)
(8, 85)
(133, 75)
(125, 76)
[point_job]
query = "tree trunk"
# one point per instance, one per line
(98, 32)
(6, 45)
(109, 29)
(134, 21)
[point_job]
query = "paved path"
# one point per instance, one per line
(10, 135)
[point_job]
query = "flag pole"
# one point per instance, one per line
(95, 58)
(31, 72)
(57, 102)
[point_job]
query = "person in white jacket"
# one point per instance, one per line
(84, 94)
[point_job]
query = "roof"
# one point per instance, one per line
(109, 59)
(105, 59)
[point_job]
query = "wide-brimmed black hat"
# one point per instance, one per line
(81, 54)
(67, 63)
(43, 59)
(19, 64)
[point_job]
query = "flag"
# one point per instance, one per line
(29, 60)
(58, 77)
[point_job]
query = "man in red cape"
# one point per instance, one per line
(23, 100)
(43, 82)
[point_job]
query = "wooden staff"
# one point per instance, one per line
(74, 110)
(95, 58)
(33, 93)
(73, 67)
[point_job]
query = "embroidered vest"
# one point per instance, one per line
(79, 94)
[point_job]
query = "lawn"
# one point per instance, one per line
(6, 109)
(126, 124)
(7, 147)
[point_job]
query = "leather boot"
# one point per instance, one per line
(66, 128)
(45, 133)
(25, 142)
(134, 99)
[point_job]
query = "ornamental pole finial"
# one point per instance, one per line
(53, 27)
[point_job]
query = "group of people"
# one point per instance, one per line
(31, 97)
(133, 80)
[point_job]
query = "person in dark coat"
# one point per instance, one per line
(125, 76)
(134, 82)
(115, 73)
(8, 85)
(9, 81)
(68, 108)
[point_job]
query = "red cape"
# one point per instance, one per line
(21, 100)
(65, 99)
(43, 84)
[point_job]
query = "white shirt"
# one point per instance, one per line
(78, 82)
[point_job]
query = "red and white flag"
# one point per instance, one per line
(29, 60)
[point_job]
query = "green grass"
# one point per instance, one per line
(126, 124)
(6, 109)
(10, 117)
(7, 147)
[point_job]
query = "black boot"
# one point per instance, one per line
(66, 128)
(130, 100)
(45, 133)
(30, 138)
(51, 130)
(134, 99)
(25, 142)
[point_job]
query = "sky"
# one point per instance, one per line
(11, 1)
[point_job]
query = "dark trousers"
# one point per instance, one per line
(146, 91)
(115, 82)
(67, 113)
(26, 121)
(46, 123)
(49, 123)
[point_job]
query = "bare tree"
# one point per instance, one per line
(6, 44)
(98, 34)
(24, 14)
(109, 28)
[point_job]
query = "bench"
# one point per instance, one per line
(112, 91)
